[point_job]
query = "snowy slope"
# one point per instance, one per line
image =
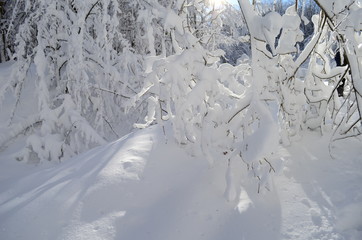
(141, 187)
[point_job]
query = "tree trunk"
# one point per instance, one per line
(2, 48)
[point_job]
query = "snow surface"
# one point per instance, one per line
(141, 187)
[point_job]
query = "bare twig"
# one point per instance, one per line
(110, 126)
(270, 165)
(90, 10)
(242, 109)
(109, 91)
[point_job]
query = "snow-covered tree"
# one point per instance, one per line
(12, 14)
(84, 69)
(100, 63)
(214, 109)
(242, 113)
(344, 20)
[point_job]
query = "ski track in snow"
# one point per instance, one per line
(317, 190)
(139, 188)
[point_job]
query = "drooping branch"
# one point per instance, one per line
(347, 37)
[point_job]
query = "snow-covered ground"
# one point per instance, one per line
(141, 187)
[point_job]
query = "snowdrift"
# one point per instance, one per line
(144, 187)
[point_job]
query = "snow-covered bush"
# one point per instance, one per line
(244, 112)
(85, 71)
(216, 110)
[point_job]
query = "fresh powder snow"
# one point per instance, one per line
(140, 187)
